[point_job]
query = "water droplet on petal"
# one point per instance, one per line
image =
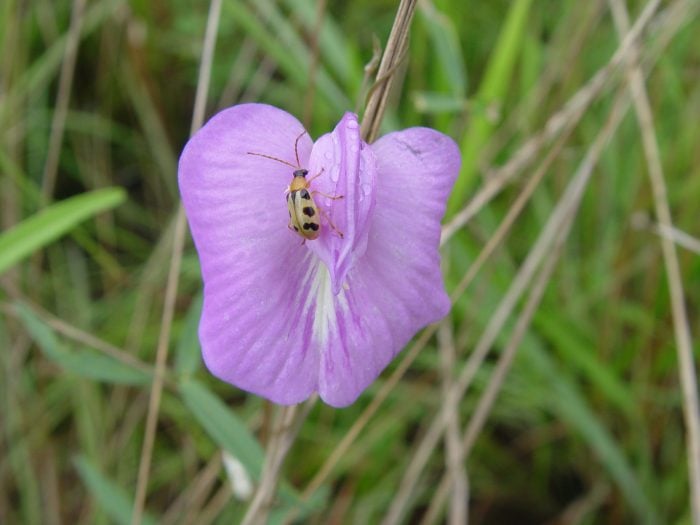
(351, 124)
(334, 174)
(329, 155)
(366, 188)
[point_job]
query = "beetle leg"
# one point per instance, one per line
(333, 197)
(330, 222)
(315, 176)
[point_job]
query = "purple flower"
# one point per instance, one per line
(285, 317)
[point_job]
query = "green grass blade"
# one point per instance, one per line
(44, 68)
(223, 426)
(187, 352)
(447, 51)
(52, 222)
(492, 91)
(579, 354)
(111, 498)
(571, 407)
(85, 363)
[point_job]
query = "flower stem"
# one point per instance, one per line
(395, 50)
(289, 423)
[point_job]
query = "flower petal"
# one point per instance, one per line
(252, 330)
(349, 170)
(396, 288)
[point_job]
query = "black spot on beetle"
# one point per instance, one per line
(304, 194)
(311, 226)
(308, 210)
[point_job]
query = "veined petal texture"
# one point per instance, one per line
(284, 318)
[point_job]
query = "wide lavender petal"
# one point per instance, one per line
(396, 288)
(349, 170)
(256, 273)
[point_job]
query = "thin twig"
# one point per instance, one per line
(394, 51)
(686, 364)
(173, 274)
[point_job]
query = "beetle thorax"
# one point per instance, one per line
(298, 183)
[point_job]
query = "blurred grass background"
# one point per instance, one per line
(587, 427)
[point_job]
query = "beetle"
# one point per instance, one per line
(303, 211)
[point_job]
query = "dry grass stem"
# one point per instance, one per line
(150, 284)
(159, 375)
(189, 502)
(65, 84)
(524, 277)
(173, 275)
(361, 422)
(552, 237)
(454, 460)
(80, 336)
(395, 49)
(686, 364)
(679, 237)
(410, 355)
(569, 115)
(290, 419)
(215, 505)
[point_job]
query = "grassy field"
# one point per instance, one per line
(576, 294)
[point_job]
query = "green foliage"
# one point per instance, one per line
(53, 221)
(111, 498)
(222, 425)
(589, 419)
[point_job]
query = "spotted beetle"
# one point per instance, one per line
(303, 211)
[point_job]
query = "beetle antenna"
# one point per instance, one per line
(274, 158)
(296, 150)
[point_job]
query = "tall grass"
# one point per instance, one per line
(551, 394)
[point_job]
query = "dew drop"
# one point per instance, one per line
(334, 175)
(329, 155)
(351, 124)
(366, 188)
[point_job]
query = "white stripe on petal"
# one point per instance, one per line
(325, 319)
(323, 305)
